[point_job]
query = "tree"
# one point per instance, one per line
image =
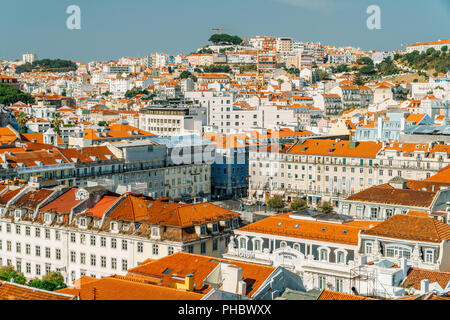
(325, 207)
(50, 282)
(107, 93)
(444, 48)
(358, 80)
(22, 119)
(298, 204)
(323, 75)
(57, 122)
(102, 123)
(365, 60)
(8, 273)
(225, 39)
(10, 94)
(64, 92)
(276, 202)
(185, 75)
(135, 91)
(367, 70)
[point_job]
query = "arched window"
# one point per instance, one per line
(257, 245)
(340, 258)
(323, 255)
(297, 247)
(282, 244)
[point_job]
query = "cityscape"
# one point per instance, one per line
(255, 167)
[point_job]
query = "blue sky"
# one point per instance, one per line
(111, 28)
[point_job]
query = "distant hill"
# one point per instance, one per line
(433, 61)
(56, 65)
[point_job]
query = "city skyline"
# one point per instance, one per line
(178, 27)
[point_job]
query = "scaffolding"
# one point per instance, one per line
(364, 282)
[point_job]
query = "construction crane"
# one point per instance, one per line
(218, 29)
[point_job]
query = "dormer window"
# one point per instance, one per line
(323, 255)
(18, 213)
(82, 222)
(114, 226)
(215, 227)
(429, 256)
(47, 218)
(202, 230)
(235, 223)
(60, 219)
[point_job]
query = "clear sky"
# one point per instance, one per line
(111, 29)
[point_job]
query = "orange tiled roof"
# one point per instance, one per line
(363, 149)
(283, 225)
(333, 295)
(13, 291)
(415, 275)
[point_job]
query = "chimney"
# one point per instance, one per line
(242, 288)
(189, 282)
(424, 286)
(231, 276)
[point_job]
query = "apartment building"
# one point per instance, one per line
(94, 232)
(321, 248)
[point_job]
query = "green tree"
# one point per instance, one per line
(135, 91)
(276, 202)
(185, 74)
(365, 60)
(225, 39)
(367, 70)
(50, 282)
(298, 204)
(444, 49)
(56, 123)
(64, 92)
(325, 207)
(358, 80)
(10, 95)
(102, 123)
(22, 119)
(323, 75)
(107, 93)
(8, 273)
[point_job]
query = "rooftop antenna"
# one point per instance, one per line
(218, 29)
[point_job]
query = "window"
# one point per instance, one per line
(8, 245)
(113, 263)
(103, 262)
(92, 240)
(339, 285)
(257, 245)
(359, 211)
(203, 230)
(322, 281)
(27, 230)
(155, 249)
(389, 213)
(38, 269)
(215, 242)
(368, 248)
(18, 229)
(27, 248)
(113, 243)
(373, 213)
(58, 254)
(57, 235)
(18, 247)
(215, 227)
(47, 268)
(82, 238)
(8, 228)
(103, 242)
(38, 251)
(28, 267)
(47, 234)
(398, 252)
(429, 255)
(37, 232)
(47, 253)
(72, 237)
(340, 257)
(170, 250)
(323, 255)
(73, 257)
(203, 247)
(242, 243)
(124, 245)
(124, 265)
(93, 259)
(82, 258)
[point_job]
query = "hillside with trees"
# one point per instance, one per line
(44, 65)
(433, 61)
